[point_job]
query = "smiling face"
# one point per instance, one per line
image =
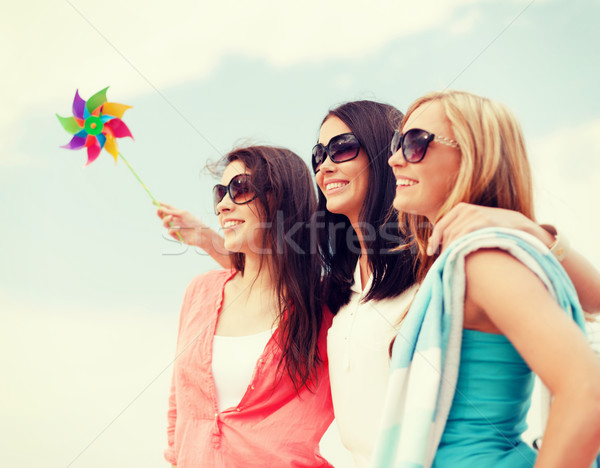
(241, 224)
(345, 184)
(422, 188)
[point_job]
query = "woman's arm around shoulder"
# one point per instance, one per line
(515, 301)
(465, 218)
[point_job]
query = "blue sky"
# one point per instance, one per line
(90, 287)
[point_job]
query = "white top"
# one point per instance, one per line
(359, 364)
(233, 363)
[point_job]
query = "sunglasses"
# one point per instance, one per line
(341, 148)
(414, 143)
(239, 189)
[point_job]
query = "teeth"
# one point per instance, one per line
(335, 185)
(404, 182)
(229, 224)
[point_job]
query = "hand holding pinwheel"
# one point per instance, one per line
(96, 124)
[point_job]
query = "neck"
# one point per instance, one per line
(359, 234)
(256, 276)
(365, 270)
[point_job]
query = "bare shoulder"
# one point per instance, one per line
(493, 269)
(499, 289)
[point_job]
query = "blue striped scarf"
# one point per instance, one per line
(426, 352)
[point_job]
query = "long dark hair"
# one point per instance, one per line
(287, 201)
(393, 271)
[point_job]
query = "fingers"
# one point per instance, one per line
(165, 210)
(174, 233)
(439, 233)
(171, 222)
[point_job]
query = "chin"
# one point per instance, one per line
(334, 208)
(399, 205)
(232, 244)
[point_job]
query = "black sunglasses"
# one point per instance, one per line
(341, 148)
(414, 143)
(240, 190)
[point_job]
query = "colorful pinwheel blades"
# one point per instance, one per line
(95, 124)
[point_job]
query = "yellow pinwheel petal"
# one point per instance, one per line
(111, 146)
(115, 109)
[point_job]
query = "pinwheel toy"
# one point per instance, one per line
(96, 124)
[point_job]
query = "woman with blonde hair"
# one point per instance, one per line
(493, 309)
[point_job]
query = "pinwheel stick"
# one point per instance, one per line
(146, 189)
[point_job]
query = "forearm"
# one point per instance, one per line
(582, 273)
(586, 280)
(572, 436)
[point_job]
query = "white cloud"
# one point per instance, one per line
(136, 46)
(80, 42)
(566, 167)
(465, 23)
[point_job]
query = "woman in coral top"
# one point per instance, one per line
(250, 382)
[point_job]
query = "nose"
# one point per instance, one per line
(225, 205)
(397, 159)
(328, 165)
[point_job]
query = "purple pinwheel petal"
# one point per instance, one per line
(76, 143)
(93, 151)
(78, 106)
(118, 128)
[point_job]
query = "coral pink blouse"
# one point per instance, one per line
(271, 426)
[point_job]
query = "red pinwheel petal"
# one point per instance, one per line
(117, 128)
(75, 143)
(93, 151)
(90, 141)
(78, 106)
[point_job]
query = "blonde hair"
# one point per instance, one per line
(494, 169)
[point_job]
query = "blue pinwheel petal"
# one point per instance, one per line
(101, 140)
(106, 118)
(81, 134)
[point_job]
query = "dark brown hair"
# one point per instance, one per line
(287, 201)
(373, 123)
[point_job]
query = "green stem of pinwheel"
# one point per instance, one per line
(139, 180)
(146, 189)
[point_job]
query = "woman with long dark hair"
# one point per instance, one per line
(250, 381)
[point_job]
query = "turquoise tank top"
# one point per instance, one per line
(489, 410)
